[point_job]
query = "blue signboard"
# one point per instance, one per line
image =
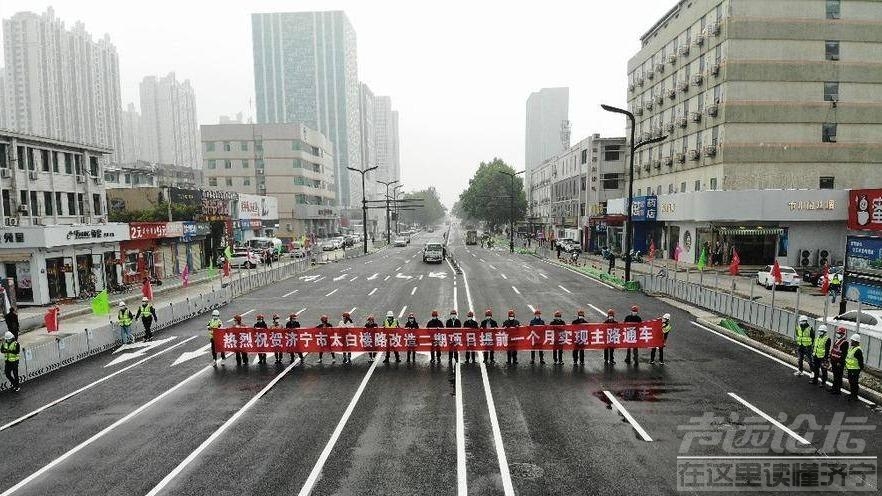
(644, 208)
(863, 269)
(868, 293)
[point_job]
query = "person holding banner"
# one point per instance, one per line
(511, 354)
(390, 322)
(580, 340)
(633, 318)
(470, 323)
(214, 323)
(452, 323)
(371, 324)
(489, 323)
(666, 329)
(837, 360)
(277, 327)
(557, 352)
(608, 353)
(435, 323)
(346, 321)
(537, 321)
(292, 323)
(260, 324)
(323, 324)
(241, 356)
(410, 338)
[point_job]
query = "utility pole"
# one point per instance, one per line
(397, 211)
(511, 208)
(388, 230)
(363, 203)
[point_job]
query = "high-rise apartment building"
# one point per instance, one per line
(60, 83)
(306, 70)
(132, 135)
(386, 132)
(168, 121)
(547, 112)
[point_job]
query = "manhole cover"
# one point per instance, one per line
(525, 471)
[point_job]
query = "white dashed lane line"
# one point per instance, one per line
(565, 289)
(372, 292)
(332, 292)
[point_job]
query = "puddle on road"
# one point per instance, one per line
(648, 394)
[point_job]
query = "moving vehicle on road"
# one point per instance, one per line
(400, 242)
(871, 322)
(332, 244)
(262, 244)
(242, 258)
(789, 278)
(815, 275)
(569, 246)
(471, 237)
(433, 252)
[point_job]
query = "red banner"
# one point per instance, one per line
(355, 339)
(865, 209)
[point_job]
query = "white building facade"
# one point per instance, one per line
(547, 111)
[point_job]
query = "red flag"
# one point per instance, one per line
(185, 276)
(735, 264)
(51, 319)
(226, 267)
(776, 272)
(652, 249)
(825, 282)
(147, 289)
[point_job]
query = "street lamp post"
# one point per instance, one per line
(395, 204)
(364, 202)
(388, 220)
(511, 208)
(634, 147)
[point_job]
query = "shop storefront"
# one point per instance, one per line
(192, 246)
(647, 231)
(258, 216)
(151, 251)
(52, 263)
(216, 208)
(605, 231)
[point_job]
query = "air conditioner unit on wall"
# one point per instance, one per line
(823, 257)
(5, 173)
(32, 175)
(806, 258)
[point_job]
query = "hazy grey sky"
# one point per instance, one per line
(459, 72)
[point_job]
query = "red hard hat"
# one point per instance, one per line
(260, 316)
(635, 309)
(346, 314)
(580, 313)
(610, 312)
(511, 313)
(237, 318)
(470, 314)
(434, 313)
(488, 312)
(841, 330)
(537, 312)
(557, 313)
(324, 318)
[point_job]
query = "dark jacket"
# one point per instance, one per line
(557, 321)
(434, 323)
(12, 323)
(292, 324)
(511, 323)
(453, 322)
(537, 321)
(488, 322)
(580, 320)
(470, 323)
(260, 325)
(632, 318)
(411, 324)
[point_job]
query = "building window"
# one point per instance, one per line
(670, 189)
(610, 181)
(584, 156)
(828, 132)
(295, 145)
(316, 151)
(297, 163)
(833, 7)
(212, 181)
(128, 178)
(93, 166)
(612, 153)
(31, 165)
(81, 207)
(96, 205)
(246, 181)
(713, 184)
(258, 146)
(697, 185)
(35, 207)
(3, 161)
(44, 156)
(245, 164)
(228, 164)
(212, 164)
(209, 146)
(68, 163)
(831, 50)
(71, 204)
(53, 156)
(826, 182)
(228, 181)
(243, 145)
(227, 146)
(683, 187)
(47, 203)
(831, 91)
(58, 203)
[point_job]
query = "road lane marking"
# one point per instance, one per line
(241, 315)
(101, 433)
(89, 386)
(322, 278)
(352, 311)
(368, 262)
(332, 292)
(474, 255)
(461, 474)
(401, 313)
(468, 292)
(452, 270)
(565, 289)
(491, 266)
(216, 434)
(482, 260)
(612, 399)
(515, 290)
(421, 277)
(397, 268)
(290, 293)
(455, 303)
(353, 279)
(301, 311)
(374, 276)
(772, 421)
(387, 278)
(532, 309)
(543, 275)
(413, 291)
(323, 457)
(507, 487)
(372, 292)
(344, 276)
(503, 276)
(601, 312)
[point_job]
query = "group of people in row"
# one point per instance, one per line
(840, 356)
(453, 321)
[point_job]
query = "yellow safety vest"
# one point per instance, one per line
(11, 351)
(666, 328)
(213, 324)
(390, 325)
(145, 311)
(851, 363)
(820, 345)
(124, 317)
(803, 336)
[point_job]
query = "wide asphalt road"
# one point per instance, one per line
(169, 422)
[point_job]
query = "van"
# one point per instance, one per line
(262, 244)
(433, 252)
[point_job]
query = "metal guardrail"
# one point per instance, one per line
(760, 315)
(46, 357)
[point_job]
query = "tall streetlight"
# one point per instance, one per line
(364, 202)
(634, 147)
(511, 207)
(395, 204)
(388, 231)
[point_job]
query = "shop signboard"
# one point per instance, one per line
(155, 230)
(258, 207)
(215, 205)
(185, 196)
(863, 269)
(865, 209)
(644, 208)
(56, 236)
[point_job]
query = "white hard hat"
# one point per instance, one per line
(215, 313)
(803, 318)
(121, 304)
(144, 299)
(822, 329)
(856, 337)
(9, 336)
(390, 314)
(666, 316)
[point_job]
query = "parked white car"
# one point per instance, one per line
(296, 249)
(242, 258)
(400, 242)
(789, 277)
(871, 322)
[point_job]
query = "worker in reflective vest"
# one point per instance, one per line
(837, 360)
(854, 363)
(390, 322)
(214, 323)
(147, 314)
(124, 319)
(805, 336)
(11, 351)
(821, 355)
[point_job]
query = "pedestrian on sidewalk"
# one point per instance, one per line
(11, 350)
(489, 323)
(557, 352)
(837, 360)
(147, 314)
(453, 322)
(633, 318)
(322, 324)
(854, 364)
(821, 355)
(214, 323)
(292, 323)
(581, 339)
(537, 321)
(12, 324)
(609, 352)
(260, 324)
(666, 330)
(435, 323)
(511, 353)
(124, 319)
(805, 336)
(346, 321)
(558, 251)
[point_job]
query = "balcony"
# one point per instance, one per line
(659, 68)
(650, 75)
(697, 80)
(672, 58)
(695, 116)
(640, 81)
(668, 161)
(672, 93)
(684, 50)
(714, 28)
(631, 86)
(694, 154)
(660, 98)
(638, 110)
(683, 86)
(699, 39)
(669, 127)
(715, 69)
(648, 104)
(710, 150)
(681, 122)
(680, 158)
(712, 110)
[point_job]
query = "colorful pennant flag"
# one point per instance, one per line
(101, 303)
(735, 264)
(50, 320)
(702, 260)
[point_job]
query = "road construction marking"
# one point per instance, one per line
(772, 421)
(332, 292)
(565, 289)
(189, 355)
(216, 434)
(413, 291)
(543, 275)
(101, 433)
(344, 276)
(401, 313)
(507, 487)
(89, 386)
(372, 277)
(323, 457)
(515, 290)
(503, 276)
(612, 399)
(372, 292)
(241, 315)
(601, 312)
(289, 293)
(461, 474)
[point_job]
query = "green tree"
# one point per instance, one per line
(157, 213)
(431, 212)
(488, 197)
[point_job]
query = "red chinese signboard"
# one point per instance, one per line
(567, 337)
(154, 230)
(865, 209)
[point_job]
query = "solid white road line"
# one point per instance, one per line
(507, 487)
(421, 277)
(241, 314)
(216, 434)
(468, 292)
(515, 290)
(332, 292)
(102, 432)
(474, 255)
(344, 276)
(455, 303)
(301, 312)
(289, 294)
(503, 276)
(543, 275)
(482, 260)
(412, 291)
(461, 474)
(397, 268)
(89, 386)
(601, 312)
(452, 270)
(320, 463)
(565, 289)
(612, 399)
(772, 421)
(372, 292)
(401, 313)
